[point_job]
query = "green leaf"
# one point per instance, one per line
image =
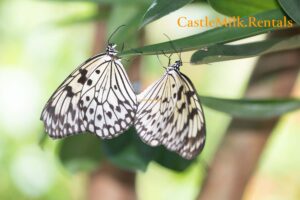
(242, 7)
(221, 52)
(127, 151)
(211, 37)
(171, 160)
(160, 8)
(292, 8)
(80, 152)
(252, 109)
(83, 152)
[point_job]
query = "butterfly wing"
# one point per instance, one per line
(152, 110)
(61, 114)
(191, 126)
(169, 113)
(108, 102)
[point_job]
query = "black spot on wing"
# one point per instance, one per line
(89, 82)
(111, 106)
(69, 91)
(91, 110)
(109, 114)
(165, 100)
(189, 94)
(83, 78)
(179, 93)
(183, 106)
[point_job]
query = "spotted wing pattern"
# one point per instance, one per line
(108, 103)
(169, 113)
(69, 110)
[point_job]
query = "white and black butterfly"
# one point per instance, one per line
(97, 97)
(169, 113)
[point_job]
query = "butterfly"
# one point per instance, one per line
(96, 97)
(169, 113)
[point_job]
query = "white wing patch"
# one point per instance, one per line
(74, 108)
(108, 101)
(169, 113)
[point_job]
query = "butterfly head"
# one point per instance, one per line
(111, 49)
(176, 66)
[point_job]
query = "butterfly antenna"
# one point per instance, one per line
(180, 56)
(111, 35)
(173, 46)
(160, 61)
(169, 57)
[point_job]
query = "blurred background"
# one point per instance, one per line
(41, 42)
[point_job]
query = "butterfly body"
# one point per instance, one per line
(176, 66)
(97, 97)
(169, 114)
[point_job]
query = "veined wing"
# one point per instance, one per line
(169, 113)
(108, 102)
(61, 114)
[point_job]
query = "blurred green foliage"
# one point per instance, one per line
(219, 35)
(34, 50)
(160, 8)
(225, 52)
(292, 8)
(242, 7)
